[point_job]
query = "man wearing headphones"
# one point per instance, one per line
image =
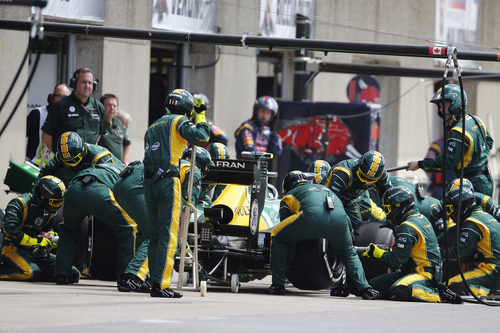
(36, 151)
(79, 112)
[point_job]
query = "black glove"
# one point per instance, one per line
(370, 293)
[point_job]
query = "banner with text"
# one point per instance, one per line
(277, 17)
(185, 15)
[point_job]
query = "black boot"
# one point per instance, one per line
(130, 282)
(63, 279)
(166, 293)
(448, 296)
(275, 289)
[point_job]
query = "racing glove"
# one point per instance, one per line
(199, 111)
(374, 252)
(52, 236)
(31, 241)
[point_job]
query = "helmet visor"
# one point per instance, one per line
(56, 203)
(365, 179)
(74, 161)
(449, 209)
(387, 209)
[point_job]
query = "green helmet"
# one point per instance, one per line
(370, 167)
(452, 94)
(71, 149)
(203, 159)
(320, 168)
(180, 101)
(292, 180)
(218, 150)
(398, 202)
(467, 200)
(50, 191)
(465, 183)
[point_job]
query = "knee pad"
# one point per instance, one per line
(401, 293)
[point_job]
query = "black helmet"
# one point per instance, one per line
(292, 180)
(50, 191)
(202, 161)
(370, 167)
(397, 201)
(203, 97)
(218, 150)
(180, 101)
(71, 148)
(467, 200)
(452, 94)
(320, 168)
(265, 102)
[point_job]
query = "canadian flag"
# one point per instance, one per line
(436, 50)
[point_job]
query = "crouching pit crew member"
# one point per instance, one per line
(479, 242)
(29, 236)
(90, 194)
(309, 211)
(415, 252)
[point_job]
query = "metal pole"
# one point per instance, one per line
(255, 41)
(303, 31)
(185, 227)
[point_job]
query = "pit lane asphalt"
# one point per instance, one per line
(97, 306)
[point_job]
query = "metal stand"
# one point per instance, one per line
(190, 209)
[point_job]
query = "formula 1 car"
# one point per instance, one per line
(235, 233)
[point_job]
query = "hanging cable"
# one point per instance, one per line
(33, 70)
(445, 139)
(36, 43)
(15, 78)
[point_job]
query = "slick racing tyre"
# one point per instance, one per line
(315, 266)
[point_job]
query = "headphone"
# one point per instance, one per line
(74, 79)
(50, 98)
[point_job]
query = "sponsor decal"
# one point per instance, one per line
(229, 164)
(155, 146)
(254, 215)
(73, 115)
(72, 108)
(38, 221)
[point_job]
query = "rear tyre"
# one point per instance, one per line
(315, 266)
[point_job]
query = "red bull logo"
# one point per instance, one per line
(308, 139)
